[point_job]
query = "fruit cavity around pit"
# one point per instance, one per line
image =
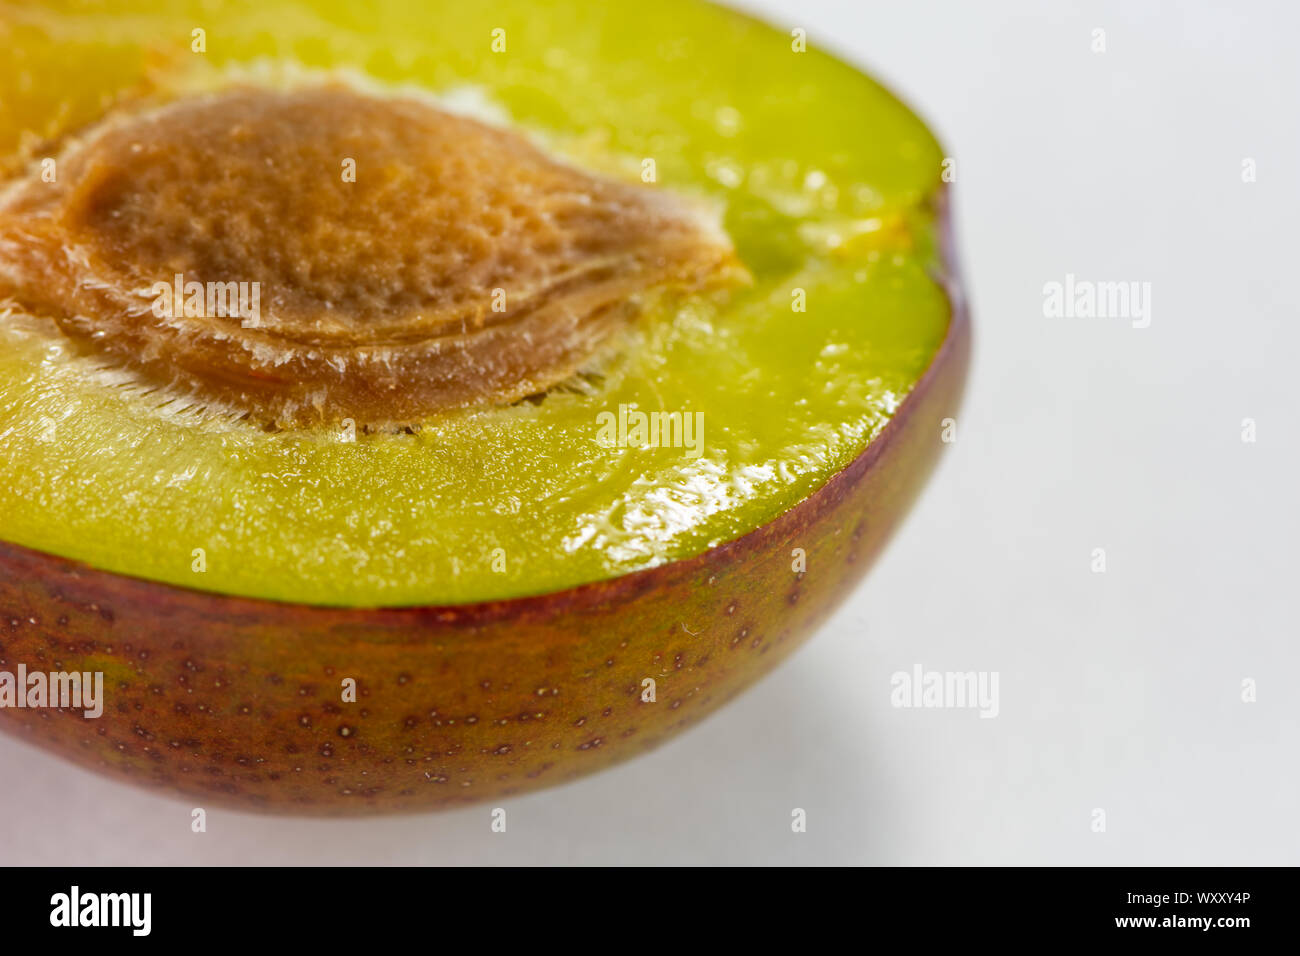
(322, 254)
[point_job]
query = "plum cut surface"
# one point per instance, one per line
(827, 188)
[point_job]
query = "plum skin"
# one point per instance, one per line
(238, 702)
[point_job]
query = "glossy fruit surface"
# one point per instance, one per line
(826, 185)
(515, 599)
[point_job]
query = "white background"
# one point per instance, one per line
(1119, 691)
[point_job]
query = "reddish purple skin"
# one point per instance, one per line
(238, 702)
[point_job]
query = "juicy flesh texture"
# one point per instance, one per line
(825, 181)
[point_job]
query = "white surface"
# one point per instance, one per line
(1118, 690)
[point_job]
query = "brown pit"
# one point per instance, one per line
(463, 266)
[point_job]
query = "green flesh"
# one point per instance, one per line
(799, 148)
